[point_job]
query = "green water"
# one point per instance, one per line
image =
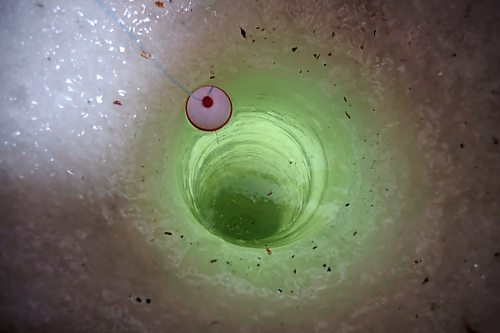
(237, 216)
(250, 191)
(262, 179)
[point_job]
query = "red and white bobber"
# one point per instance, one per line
(209, 108)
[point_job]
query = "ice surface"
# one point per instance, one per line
(82, 227)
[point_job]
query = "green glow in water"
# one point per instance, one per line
(261, 180)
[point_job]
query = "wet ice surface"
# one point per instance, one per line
(79, 232)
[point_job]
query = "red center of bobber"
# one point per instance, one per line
(207, 101)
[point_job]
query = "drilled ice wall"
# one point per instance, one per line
(379, 119)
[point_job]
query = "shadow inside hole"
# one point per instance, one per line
(243, 217)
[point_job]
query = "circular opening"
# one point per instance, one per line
(254, 184)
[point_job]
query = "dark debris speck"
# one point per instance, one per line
(329, 269)
(433, 306)
(148, 300)
(347, 114)
(294, 48)
(168, 233)
(469, 329)
(243, 32)
(213, 261)
(467, 11)
(425, 280)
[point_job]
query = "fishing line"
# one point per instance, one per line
(211, 108)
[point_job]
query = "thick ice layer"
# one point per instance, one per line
(96, 234)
